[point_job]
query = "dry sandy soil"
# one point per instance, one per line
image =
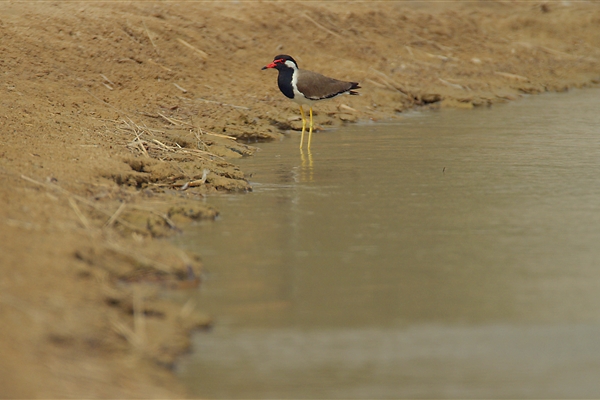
(117, 118)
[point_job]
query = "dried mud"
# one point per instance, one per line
(118, 118)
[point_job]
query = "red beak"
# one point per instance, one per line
(272, 65)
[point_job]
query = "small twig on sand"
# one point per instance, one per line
(187, 308)
(318, 25)
(82, 218)
(107, 80)
(450, 84)
(137, 142)
(149, 36)
(346, 107)
(203, 54)
(114, 217)
(171, 121)
(389, 82)
(127, 333)
(511, 76)
(161, 144)
(162, 66)
(180, 88)
(220, 135)
(199, 141)
(378, 84)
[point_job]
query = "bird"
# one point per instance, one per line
(306, 87)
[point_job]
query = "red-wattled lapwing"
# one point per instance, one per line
(306, 87)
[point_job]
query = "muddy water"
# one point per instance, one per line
(453, 254)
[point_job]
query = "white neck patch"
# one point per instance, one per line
(291, 65)
(298, 96)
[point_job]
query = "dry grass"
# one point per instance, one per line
(146, 141)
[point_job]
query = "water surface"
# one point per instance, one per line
(453, 254)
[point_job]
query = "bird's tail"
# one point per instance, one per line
(354, 86)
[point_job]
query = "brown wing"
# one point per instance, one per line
(315, 86)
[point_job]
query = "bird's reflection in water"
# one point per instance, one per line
(306, 174)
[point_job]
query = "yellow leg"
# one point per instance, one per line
(310, 129)
(303, 125)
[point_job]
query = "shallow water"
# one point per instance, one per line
(453, 254)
